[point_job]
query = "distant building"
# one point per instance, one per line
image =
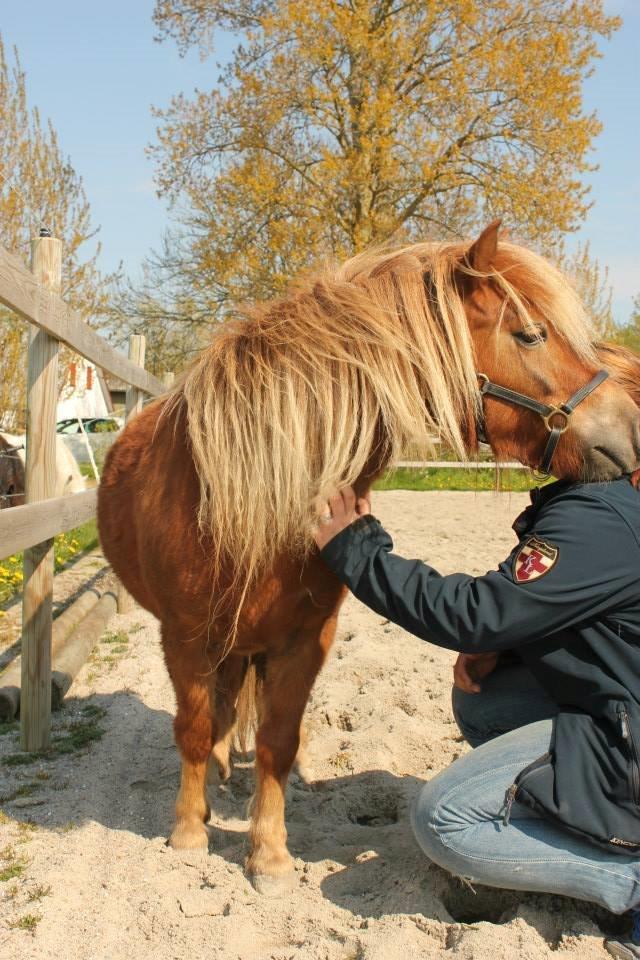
(84, 391)
(117, 390)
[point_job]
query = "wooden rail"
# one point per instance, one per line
(21, 292)
(20, 527)
(459, 464)
(34, 296)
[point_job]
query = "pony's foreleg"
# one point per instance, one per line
(193, 732)
(286, 685)
(226, 686)
(193, 729)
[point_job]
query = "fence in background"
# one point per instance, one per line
(460, 464)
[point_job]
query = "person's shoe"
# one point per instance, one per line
(626, 947)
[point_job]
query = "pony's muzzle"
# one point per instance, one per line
(608, 431)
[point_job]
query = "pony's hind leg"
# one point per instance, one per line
(193, 729)
(285, 687)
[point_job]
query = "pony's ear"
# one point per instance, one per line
(481, 254)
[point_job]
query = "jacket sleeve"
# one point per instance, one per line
(595, 572)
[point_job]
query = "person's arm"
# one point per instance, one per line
(494, 612)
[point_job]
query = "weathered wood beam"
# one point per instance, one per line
(21, 527)
(20, 291)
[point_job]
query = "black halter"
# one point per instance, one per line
(547, 412)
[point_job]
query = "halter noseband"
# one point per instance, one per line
(547, 412)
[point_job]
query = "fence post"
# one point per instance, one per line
(42, 399)
(133, 405)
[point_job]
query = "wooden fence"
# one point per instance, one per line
(34, 295)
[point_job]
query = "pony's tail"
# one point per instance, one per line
(247, 709)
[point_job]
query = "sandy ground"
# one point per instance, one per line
(84, 867)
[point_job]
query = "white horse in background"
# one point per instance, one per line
(68, 477)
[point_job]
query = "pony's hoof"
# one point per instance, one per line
(273, 887)
(189, 836)
(303, 768)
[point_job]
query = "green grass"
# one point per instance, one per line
(113, 645)
(120, 638)
(24, 790)
(21, 759)
(13, 866)
(446, 453)
(80, 735)
(443, 478)
(28, 922)
(25, 827)
(33, 896)
(75, 736)
(92, 712)
(11, 871)
(68, 545)
(65, 546)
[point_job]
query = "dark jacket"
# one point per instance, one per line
(568, 599)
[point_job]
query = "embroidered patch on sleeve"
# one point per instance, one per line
(533, 560)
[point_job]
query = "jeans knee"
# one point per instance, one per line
(430, 823)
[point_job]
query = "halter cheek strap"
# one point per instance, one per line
(549, 413)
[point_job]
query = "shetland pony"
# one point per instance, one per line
(208, 496)
(11, 474)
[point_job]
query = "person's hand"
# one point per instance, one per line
(470, 668)
(338, 512)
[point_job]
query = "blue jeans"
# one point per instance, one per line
(457, 817)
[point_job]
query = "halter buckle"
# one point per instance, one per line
(557, 412)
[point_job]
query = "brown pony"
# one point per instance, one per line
(208, 497)
(11, 475)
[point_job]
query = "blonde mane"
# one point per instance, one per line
(301, 395)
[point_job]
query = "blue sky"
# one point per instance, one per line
(94, 69)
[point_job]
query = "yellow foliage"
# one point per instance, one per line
(66, 546)
(339, 124)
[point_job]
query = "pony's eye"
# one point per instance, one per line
(531, 338)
